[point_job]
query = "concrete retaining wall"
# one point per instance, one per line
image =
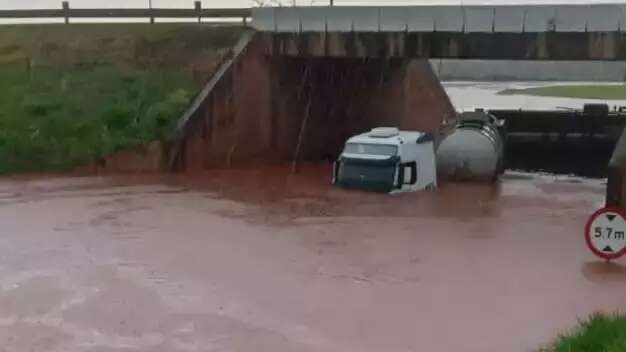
(263, 104)
(616, 187)
(232, 120)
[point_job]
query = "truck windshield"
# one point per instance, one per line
(372, 174)
(371, 149)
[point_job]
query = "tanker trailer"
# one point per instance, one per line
(472, 149)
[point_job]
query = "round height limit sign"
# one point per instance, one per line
(606, 233)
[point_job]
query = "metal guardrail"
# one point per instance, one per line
(68, 13)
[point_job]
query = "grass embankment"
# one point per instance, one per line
(600, 333)
(607, 92)
(71, 94)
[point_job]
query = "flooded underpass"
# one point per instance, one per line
(246, 246)
(257, 259)
(235, 256)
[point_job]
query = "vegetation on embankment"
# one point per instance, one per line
(606, 92)
(70, 94)
(600, 333)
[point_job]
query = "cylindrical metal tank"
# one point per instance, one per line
(473, 149)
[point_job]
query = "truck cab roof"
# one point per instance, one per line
(390, 136)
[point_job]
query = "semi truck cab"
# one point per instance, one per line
(386, 159)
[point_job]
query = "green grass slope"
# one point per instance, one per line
(70, 94)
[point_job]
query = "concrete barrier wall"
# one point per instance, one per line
(510, 19)
(419, 20)
(616, 186)
(232, 120)
(479, 19)
(393, 19)
(448, 19)
(499, 19)
(339, 20)
(604, 18)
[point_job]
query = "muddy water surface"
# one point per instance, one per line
(256, 260)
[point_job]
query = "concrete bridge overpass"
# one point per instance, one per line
(530, 32)
(318, 74)
(308, 78)
(520, 32)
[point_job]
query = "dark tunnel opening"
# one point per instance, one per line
(282, 108)
(331, 99)
(291, 109)
(585, 157)
(327, 100)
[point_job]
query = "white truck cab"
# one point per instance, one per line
(387, 160)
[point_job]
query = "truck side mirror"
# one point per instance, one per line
(410, 173)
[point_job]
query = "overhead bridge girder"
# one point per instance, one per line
(444, 18)
(488, 46)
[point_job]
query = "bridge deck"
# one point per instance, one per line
(570, 46)
(496, 19)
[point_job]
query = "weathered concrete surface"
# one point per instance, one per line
(450, 17)
(255, 261)
(616, 186)
(265, 106)
(339, 98)
(570, 46)
(234, 118)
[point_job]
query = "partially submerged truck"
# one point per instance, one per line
(386, 159)
(473, 149)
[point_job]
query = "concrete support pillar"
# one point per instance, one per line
(234, 123)
(602, 46)
(427, 104)
(66, 11)
(616, 185)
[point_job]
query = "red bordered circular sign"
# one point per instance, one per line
(605, 233)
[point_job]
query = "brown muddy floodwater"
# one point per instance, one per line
(252, 260)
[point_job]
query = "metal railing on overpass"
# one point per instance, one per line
(67, 13)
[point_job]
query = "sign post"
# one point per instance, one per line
(605, 233)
